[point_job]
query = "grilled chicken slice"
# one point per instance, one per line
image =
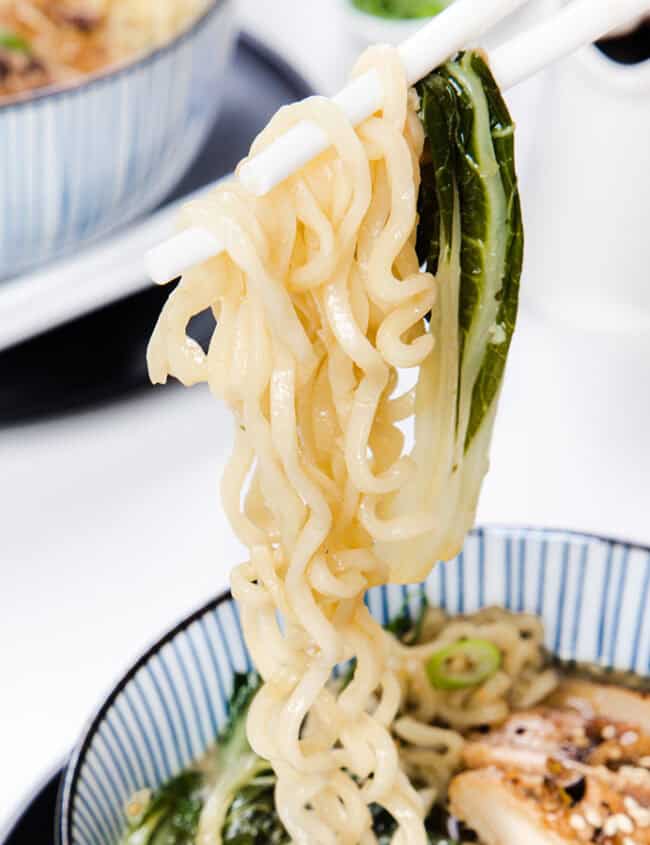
(577, 771)
(608, 701)
(528, 740)
(500, 810)
(516, 808)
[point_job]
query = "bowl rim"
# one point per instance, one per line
(69, 782)
(103, 77)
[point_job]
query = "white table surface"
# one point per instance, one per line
(110, 525)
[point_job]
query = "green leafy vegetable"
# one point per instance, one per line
(169, 816)
(489, 379)
(239, 765)
(401, 8)
(471, 139)
(244, 688)
(470, 235)
(244, 796)
(400, 625)
(464, 664)
(239, 801)
(252, 818)
(10, 40)
(384, 826)
(404, 627)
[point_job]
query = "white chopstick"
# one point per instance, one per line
(459, 24)
(463, 21)
(579, 23)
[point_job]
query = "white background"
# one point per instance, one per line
(110, 525)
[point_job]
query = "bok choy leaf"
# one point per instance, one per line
(472, 146)
(470, 236)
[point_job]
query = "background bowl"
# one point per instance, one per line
(593, 595)
(77, 162)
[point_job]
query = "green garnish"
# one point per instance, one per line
(464, 664)
(10, 40)
(401, 9)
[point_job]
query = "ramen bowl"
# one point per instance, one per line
(593, 595)
(79, 161)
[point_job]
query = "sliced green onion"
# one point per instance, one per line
(466, 663)
(14, 41)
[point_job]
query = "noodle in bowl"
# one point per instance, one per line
(82, 159)
(168, 708)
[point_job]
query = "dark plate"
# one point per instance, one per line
(35, 823)
(102, 355)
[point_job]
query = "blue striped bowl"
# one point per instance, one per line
(593, 594)
(77, 162)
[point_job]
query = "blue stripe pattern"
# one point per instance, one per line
(593, 594)
(79, 162)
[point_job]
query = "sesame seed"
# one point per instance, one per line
(635, 774)
(629, 738)
(608, 732)
(630, 804)
(577, 822)
(627, 840)
(642, 817)
(624, 823)
(645, 762)
(610, 827)
(593, 817)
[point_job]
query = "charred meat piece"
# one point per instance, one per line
(516, 808)
(608, 701)
(577, 771)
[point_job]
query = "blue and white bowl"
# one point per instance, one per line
(593, 595)
(77, 162)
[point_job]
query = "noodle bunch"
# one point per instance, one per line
(320, 302)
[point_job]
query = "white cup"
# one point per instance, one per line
(587, 196)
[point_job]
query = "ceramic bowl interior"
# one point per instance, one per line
(77, 162)
(593, 595)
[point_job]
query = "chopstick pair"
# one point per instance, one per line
(577, 24)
